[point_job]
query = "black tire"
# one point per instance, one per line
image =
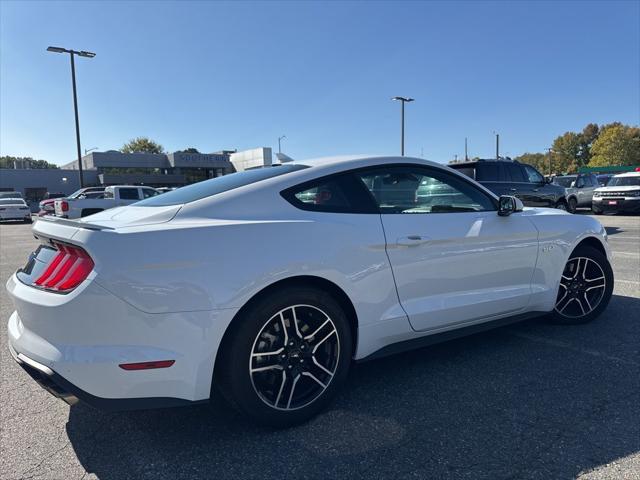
(572, 205)
(27, 220)
(261, 327)
(577, 310)
(561, 205)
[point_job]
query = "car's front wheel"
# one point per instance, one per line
(286, 356)
(572, 205)
(585, 287)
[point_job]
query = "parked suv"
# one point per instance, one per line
(509, 177)
(579, 189)
(622, 194)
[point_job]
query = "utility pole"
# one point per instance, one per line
(279, 139)
(72, 54)
(550, 150)
(466, 153)
(402, 100)
(497, 146)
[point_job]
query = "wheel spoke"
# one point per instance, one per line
(295, 322)
(275, 366)
(322, 341)
(268, 354)
(586, 299)
(293, 388)
(284, 380)
(317, 364)
(311, 335)
(284, 329)
(580, 304)
(313, 377)
(561, 309)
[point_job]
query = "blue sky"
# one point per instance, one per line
(237, 75)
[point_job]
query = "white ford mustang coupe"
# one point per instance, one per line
(266, 284)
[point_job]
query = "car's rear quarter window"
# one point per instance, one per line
(207, 188)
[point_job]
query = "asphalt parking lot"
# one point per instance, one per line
(526, 401)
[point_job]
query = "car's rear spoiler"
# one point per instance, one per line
(73, 223)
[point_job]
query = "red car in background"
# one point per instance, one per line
(47, 204)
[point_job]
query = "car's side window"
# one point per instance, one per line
(515, 172)
(532, 175)
(149, 192)
(421, 190)
(129, 194)
(334, 194)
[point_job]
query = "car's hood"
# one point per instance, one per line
(623, 188)
(132, 216)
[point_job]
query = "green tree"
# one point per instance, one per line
(190, 150)
(587, 137)
(616, 144)
(566, 153)
(8, 161)
(142, 145)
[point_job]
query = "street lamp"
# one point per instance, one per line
(72, 54)
(403, 100)
(280, 138)
(497, 145)
(551, 151)
(87, 150)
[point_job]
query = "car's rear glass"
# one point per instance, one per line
(564, 181)
(207, 188)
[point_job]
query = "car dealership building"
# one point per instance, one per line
(117, 168)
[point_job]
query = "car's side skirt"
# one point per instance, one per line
(434, 338)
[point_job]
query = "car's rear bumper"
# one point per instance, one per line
(15, 215)
(61, 388)
(81, 339)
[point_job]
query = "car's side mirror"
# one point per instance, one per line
(573, 184)
(508, 205)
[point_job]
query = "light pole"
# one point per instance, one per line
(497, 145)
(87, 150)
(550, 150)
(403, 100)
(279, 139)
(72, 54)
(466, 155)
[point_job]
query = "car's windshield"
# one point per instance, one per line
(207, 188)
(12, 201)
(564, 181)
(624, 181)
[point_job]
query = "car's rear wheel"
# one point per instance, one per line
(572, 205)
(561, 205)
(285, 357)
(585, 287)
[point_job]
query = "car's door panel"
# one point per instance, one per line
(454, 259)
(473, 265)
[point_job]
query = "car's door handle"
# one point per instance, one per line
(412, 240)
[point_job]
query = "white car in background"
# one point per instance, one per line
(93, 202)
(621, 194)
(266, 284)
(14, 209)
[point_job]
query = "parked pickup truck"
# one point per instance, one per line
(115, 196)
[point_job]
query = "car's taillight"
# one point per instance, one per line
(64, 206)
(67, 269)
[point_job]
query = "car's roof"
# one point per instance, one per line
(353, 161)
(628, 174)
